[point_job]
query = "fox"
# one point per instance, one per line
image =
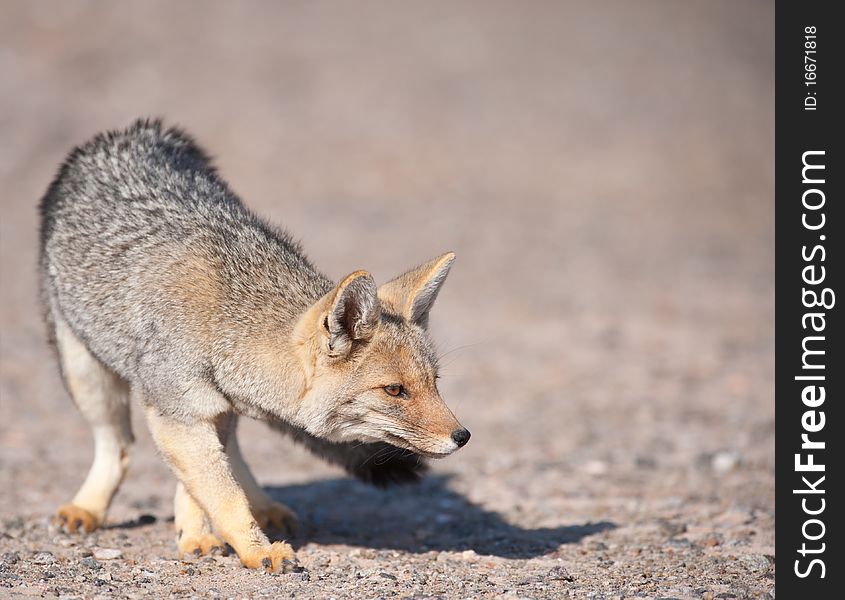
(160, 288)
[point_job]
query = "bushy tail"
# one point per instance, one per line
(379, 464)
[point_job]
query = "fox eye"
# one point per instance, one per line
(394, 390)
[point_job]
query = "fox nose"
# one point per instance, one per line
(460, 437)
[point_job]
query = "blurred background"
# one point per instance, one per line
(603, 171)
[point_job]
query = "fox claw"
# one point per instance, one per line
(277, 556)
(206, 544)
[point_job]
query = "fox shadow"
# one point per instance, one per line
(415, 518)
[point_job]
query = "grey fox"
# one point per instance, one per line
(159, 284)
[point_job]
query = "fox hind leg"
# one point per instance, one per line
(103, 399)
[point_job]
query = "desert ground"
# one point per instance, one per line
(603, 171)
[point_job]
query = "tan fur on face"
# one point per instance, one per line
(405, 351)
(344, 397)
(349, 396)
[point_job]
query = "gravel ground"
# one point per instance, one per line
(603, 171)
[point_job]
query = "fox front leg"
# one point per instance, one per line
(194, 536)
(267, 512)
(196, 454)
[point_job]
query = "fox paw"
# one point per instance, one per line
(72, 519)
(277, 517)
(274, 557)
(196, 546)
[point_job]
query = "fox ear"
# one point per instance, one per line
(352, 314)
(411, 295)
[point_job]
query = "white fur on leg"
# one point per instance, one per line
(107, 471)
(103, 399)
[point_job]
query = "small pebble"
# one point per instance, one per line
(757, 563)
(596, 467)
(43, 558)
(725, 461)
(107, 554)
(91, 563)
(559, 573)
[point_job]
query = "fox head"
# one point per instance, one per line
(371, 366)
